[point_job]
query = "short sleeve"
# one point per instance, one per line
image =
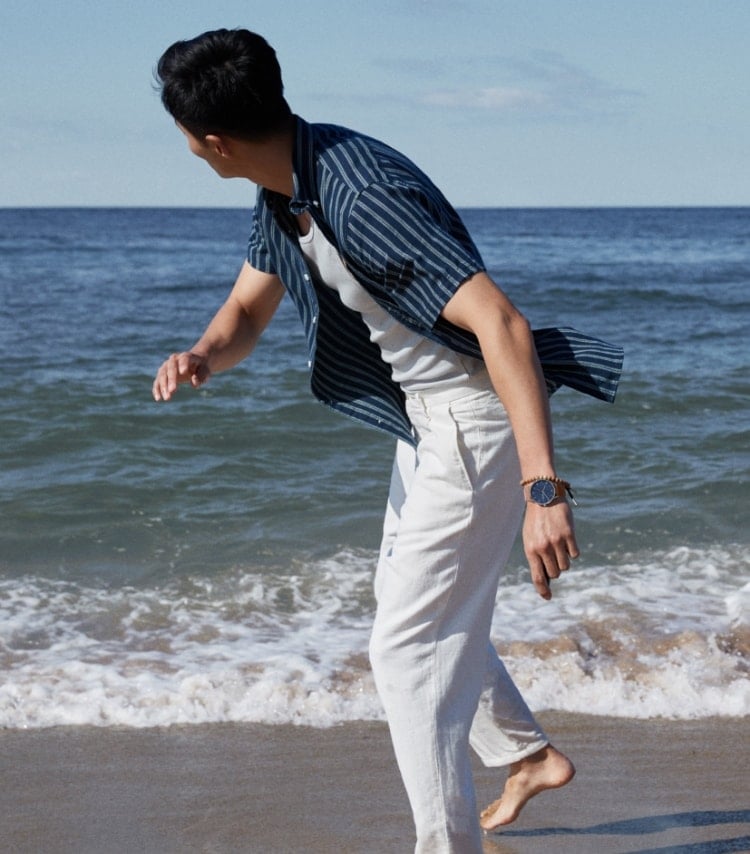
(412, 246)
(258, 255)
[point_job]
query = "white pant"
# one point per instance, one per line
(453, 513)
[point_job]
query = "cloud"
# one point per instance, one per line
(542, 84)
(487, 98)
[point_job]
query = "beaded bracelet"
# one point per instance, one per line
(551, 479)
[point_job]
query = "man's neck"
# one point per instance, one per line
(269, 163)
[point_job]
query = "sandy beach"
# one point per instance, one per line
(642, 786)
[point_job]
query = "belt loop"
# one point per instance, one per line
(424, 403)
(422, 400)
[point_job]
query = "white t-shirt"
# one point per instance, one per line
(416, 362)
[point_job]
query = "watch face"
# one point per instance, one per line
(542, 492)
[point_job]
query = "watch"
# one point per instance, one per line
(544, 491)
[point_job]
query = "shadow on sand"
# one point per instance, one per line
(656, 824)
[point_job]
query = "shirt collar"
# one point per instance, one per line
(303, 164)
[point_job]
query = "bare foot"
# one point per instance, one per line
(546, 769)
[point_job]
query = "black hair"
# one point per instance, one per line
(224, 81)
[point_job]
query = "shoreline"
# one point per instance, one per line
(641, 785)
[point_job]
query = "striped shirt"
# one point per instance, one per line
(405, 244)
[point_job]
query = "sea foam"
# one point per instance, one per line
(656, 635)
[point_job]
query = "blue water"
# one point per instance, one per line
(249, 512)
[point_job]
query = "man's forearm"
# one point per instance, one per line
(229, 337)
(509, 352)
(238, 324)
(514, 368)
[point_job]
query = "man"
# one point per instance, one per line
(406, 333)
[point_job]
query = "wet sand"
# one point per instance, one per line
(642, 786)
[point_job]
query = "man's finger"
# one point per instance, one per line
(540, 579)
(562, 559)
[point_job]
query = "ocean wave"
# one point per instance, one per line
(653, 635)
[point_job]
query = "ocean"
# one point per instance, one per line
(211, 559)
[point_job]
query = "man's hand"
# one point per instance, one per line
(549, 542)
(180, 368)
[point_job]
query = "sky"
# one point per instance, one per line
(529, 103)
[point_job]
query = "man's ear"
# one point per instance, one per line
(218, 144)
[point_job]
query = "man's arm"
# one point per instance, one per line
(509, 353)
(229, 337)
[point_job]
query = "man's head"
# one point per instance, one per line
(225, 82)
